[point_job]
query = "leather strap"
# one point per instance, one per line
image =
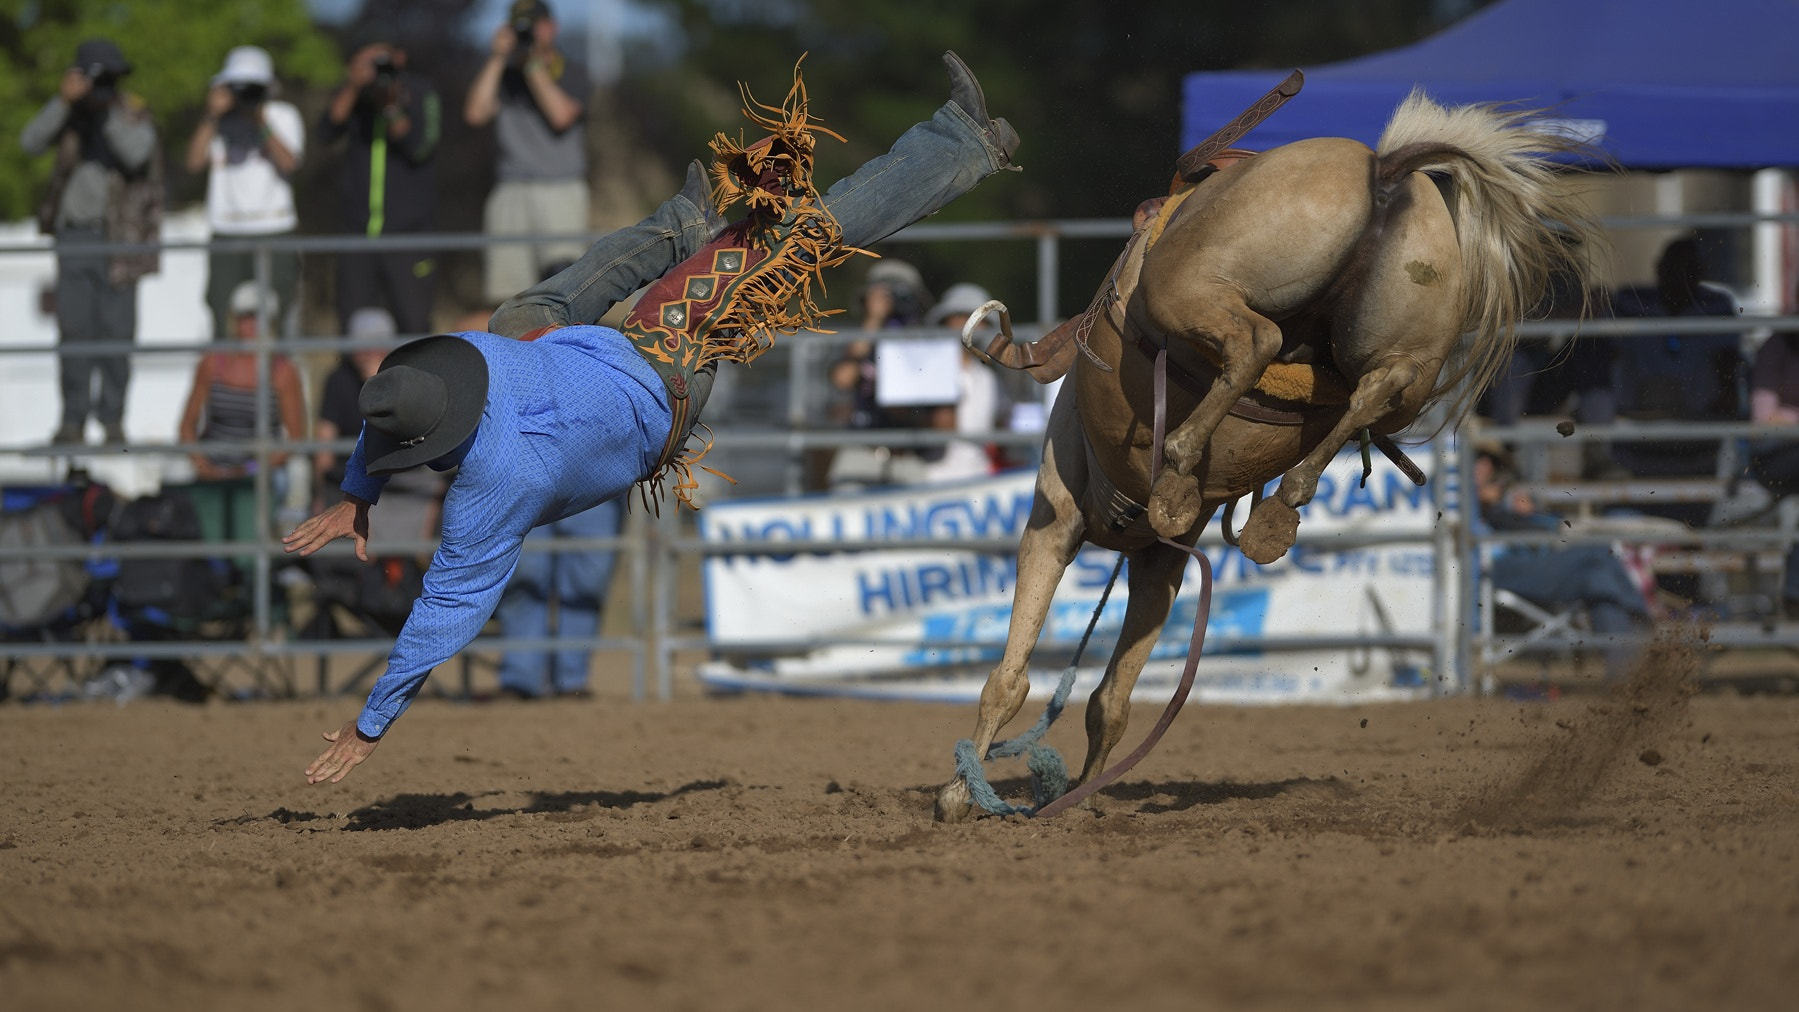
(1190, 166)
(1195, 643)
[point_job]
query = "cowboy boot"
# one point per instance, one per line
(698, 191)
(965, 92)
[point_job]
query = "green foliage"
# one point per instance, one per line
(1092, 88)
(175, 46)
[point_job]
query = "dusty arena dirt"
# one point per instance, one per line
(1631, 850)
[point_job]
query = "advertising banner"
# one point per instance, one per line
(924, 622)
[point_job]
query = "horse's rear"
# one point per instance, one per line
(1368, 267)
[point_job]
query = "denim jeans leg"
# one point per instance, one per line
(616, 265)
(524, 612)
(581, 579)
(930, 165)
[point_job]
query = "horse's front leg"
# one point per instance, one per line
(1055, 533)
(1274, 524)
(1155, 579)
(1245, 342)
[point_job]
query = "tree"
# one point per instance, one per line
(175, 46)
(1093, 89)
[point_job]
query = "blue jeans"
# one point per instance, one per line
(1589, 575)
(579, 580)
(930, 165)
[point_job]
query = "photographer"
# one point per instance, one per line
(106, 186)
(536, 98)
(249, 143)
(390, 121)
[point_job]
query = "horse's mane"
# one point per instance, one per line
(1519, 221)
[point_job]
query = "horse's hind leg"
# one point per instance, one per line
(1155, 578)
(1274, 523)
(1050, 541)
(1244, 342)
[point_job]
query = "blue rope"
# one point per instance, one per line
(1049, 774)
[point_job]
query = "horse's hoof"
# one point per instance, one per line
(1174, 504)
(1272, 528)
(954, 803)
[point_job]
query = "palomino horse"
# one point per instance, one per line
(1305, 296)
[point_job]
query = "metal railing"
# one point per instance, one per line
(655, 546)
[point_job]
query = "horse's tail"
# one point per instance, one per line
(1519, 221)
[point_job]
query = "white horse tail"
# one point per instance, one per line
(1519, 219)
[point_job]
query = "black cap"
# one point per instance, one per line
(103, 54)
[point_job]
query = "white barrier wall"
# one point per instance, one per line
(171, 310)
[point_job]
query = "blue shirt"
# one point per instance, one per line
(573, 419)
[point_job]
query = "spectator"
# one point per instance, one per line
(338, 417)
(380, 594)
(536, 98)
(390, 122)
(249, 143)
(221, 407)
(1685, 377)
(1589, 575)
(542, 429)
(577, 579)
(106, 186)
(893, 296)
(977, 405)
(1545, 372)
(1774, 462)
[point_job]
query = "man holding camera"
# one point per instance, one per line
(536, 99)
(249, 143)
(105, 187)
(390, 121)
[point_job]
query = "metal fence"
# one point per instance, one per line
(657, 550)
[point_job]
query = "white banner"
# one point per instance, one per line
(897, 606)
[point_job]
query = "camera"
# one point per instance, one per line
(524, 28)
(249, 94)
(384, 69)
(103, 78)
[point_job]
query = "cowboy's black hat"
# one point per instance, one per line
(423, 402)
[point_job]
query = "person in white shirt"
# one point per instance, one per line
(249, 144)
(976, 410)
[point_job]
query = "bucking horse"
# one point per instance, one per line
(1298, 299)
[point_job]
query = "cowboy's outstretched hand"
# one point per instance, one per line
(349, 747)
(348, 519)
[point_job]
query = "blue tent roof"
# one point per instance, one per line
(1658, 83)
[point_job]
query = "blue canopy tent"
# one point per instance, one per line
(1659, 84)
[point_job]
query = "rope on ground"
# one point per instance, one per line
(1049, 774)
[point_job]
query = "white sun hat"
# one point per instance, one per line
(247, 65)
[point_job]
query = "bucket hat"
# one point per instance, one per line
(960, 300)
(247, 65)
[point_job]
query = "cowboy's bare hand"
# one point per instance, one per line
(348, 519)
(349, 747)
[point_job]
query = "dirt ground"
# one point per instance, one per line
(1634, 850)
